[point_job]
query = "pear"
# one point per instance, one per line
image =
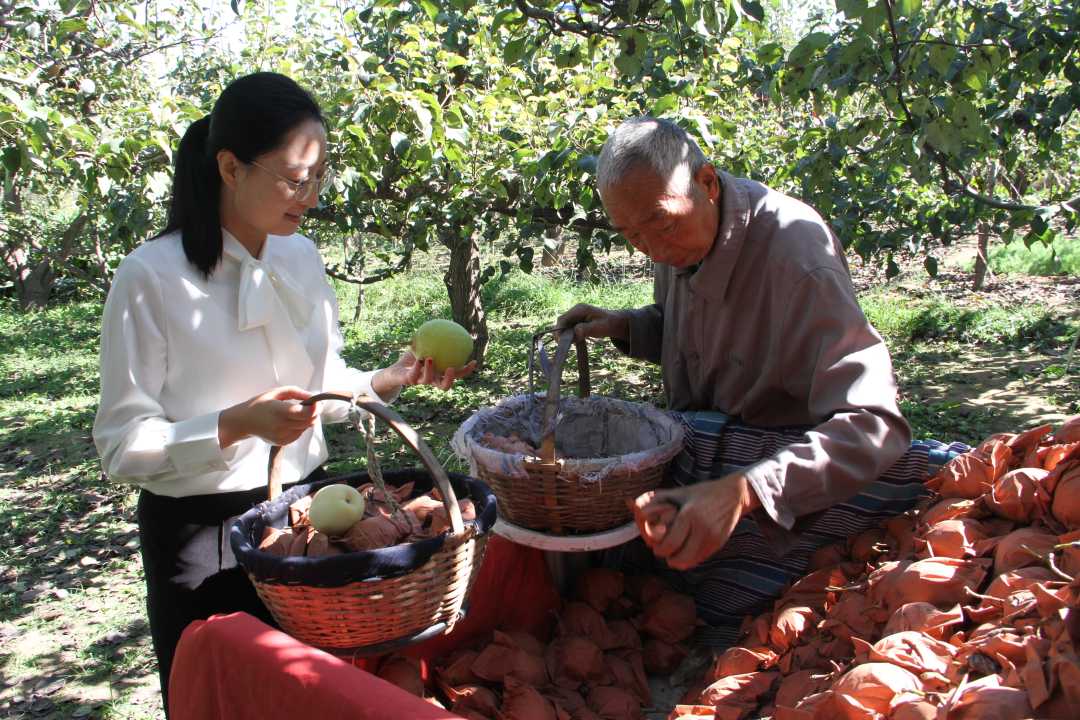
(444, 341)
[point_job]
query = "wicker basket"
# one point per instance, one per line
(564, 497)
(329, 603)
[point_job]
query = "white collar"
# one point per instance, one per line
(269, 298)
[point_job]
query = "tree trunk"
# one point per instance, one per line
(462, 280)
(361, 260)
(33, 283)
(982, 259)
(554, 244)
(36, 286)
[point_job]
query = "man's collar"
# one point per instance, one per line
(689, 270)
(714, 273)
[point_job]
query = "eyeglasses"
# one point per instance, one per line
(305, 189)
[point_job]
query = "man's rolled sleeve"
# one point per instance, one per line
(766, 479)
(646, 334)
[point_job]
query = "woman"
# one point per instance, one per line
(212, 334)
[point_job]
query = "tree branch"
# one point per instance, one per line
(959, 182)
(71, 234)
(335, 272)
(559, 24)
(550, 216)
(898, 75)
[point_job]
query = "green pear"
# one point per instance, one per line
(335, 508)
(444, 341)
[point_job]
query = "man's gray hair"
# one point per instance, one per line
(659, 145)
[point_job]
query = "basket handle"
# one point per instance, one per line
(407, 433)
(566, 337)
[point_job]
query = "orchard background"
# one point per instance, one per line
(940, 139)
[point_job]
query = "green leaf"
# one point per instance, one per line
(453, 154)
(662, 105)
(628, 64)
(942, 136)
(704, 130)
(633, 45)
(975, 79)
(400, 142)
(851, 8)
(941, 59)
(769, 53)
(12, 157)
(508, 16)
(751, 9)
(920, 106)
(81, 134)
(907, 8)
(430, 9)
(455, 60)
(457, 135)
(966, 118)
(873, 18)
(514, 50)
(568, 58)
(423, 117)
(633, 42)
(587, 164)
(70, 25)
(678, 11)
(809, 45)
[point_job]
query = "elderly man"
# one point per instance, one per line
(787, 391)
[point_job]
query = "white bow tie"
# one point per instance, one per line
(272, 300)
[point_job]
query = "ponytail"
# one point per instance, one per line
(196, 199)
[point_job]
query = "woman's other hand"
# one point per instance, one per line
(409, 370)
(275, 416)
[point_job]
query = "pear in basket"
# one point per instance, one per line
(335, 508)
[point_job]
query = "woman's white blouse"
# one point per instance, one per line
(177, 349)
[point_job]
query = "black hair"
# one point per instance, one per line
(252, 116)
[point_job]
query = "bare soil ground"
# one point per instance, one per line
(1007, 387)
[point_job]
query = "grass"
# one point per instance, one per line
(73, 638)
(938, 343)
(906, 323)
(1062, 257)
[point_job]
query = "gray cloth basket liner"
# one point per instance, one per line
(594, 436)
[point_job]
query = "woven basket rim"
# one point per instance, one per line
(464, 440)
(299, 571)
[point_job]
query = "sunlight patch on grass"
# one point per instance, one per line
(904, 320)
(1062, 257)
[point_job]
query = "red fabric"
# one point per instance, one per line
(237, 667)
(514, 591)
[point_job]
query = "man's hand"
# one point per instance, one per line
(590, 321)
(706, 516)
